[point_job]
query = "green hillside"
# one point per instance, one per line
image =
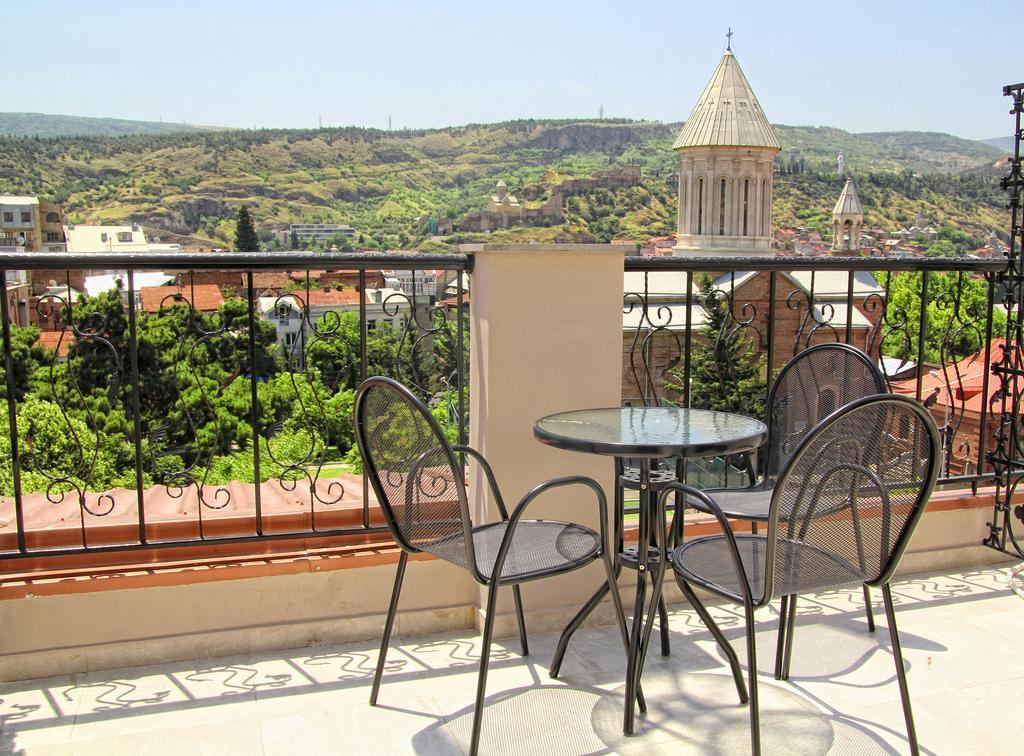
(387, 184)
(48, 125)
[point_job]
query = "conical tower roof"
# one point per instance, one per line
(727, 113)
(849, 202)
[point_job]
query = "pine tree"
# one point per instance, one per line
(726, 373)
(245, 233)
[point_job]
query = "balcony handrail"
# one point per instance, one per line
(731, 263)
(263, 260)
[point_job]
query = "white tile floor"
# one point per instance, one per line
(961, 635)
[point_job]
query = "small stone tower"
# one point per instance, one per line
(847, 219)
(726, 155)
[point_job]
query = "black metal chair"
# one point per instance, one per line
(842, 512)
(421, 489)
(809, 388)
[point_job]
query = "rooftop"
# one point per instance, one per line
(727, 113)
(315, 700)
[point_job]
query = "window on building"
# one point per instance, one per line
(765, 210)
(700, 206)
(8, 217)
(103, 237)
(52, 236)
(746, 203)
(124, 236)
(52, 218)
(371, 325)
(289, 339)
(721, 211)
(26, 217)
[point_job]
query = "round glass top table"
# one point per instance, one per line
(653, 432)
(643, 434)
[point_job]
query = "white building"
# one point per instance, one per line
(82, 238)
(385, 305)
(318, 231)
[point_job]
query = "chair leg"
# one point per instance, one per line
(663, 626)
(518, 599)
(867, 609)
(780, 644)
(388, 625)
(901, 673)
(481, 683)
(790, 628)
(755, 715)
(710, 624)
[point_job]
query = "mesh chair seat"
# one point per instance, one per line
(538, 547)
(799, 567)
(737, 503)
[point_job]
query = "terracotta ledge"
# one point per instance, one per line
(182, 566)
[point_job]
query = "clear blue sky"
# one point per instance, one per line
(894, 65)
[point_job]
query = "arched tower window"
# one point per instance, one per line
(721, 210)
(746, 203)
(700, 206)
(765, 208)
(52, 218)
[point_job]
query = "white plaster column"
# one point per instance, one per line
(546, 336)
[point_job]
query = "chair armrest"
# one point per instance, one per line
(488, 472)
(710, 505)
(529, 498)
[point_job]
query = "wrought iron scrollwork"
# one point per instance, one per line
(198, 460)
(958, 450)
(645, 373)
(87, 334)
(813, 319)
(1006, 529)
(890, 332)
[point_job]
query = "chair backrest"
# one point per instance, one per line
(812, 386)
(412, 468)
(855, 488)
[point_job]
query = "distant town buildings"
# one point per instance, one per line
(297, 233)
(30, 224)
(920, 231)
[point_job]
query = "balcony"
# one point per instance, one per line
(203, 506)
(314, 700)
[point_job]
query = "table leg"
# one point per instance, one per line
(643, 567)
(657, 582)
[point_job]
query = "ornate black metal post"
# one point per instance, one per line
(1007, 459)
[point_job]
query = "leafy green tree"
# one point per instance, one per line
(246, 239)
(726, 373)
(942, 248)
(956, 316)
(25, 357)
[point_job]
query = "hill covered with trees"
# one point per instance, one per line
(48, 125)
(389, 184)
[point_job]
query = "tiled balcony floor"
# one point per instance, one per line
(961, 634)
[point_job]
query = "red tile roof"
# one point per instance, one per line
(967, 379)
(331, 297)
(52, 340)
(207, 297)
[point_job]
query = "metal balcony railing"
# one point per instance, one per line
(216, 407)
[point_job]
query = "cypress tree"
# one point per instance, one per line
(245, 233)
(726, 373)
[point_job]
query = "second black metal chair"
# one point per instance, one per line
(421, 489)
(812, 385)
